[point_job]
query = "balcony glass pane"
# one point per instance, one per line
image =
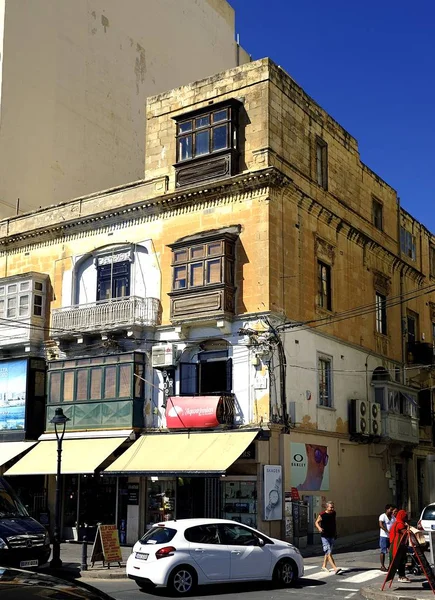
(220, 137)
(54, 389)
(203, 121)
(125, 357)
(214, 249)
(12, 307)
(24, 305)
(185, 147)
(180, 277)
(82, 384)
(38, 286)
(12, 289)
(37, 305)
(213, 271)
(202, 143)
(197, 252)
(110, 382)
(185, 127)
(125, 381)
(2, 308)
(68, 386)
(196, 274)
(180, 255)
(24, 286)
(2, 290)
(220, 115)
(139, 370)
(96, 377)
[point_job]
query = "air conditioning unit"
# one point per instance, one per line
(359, 421)
(375, 419)
(163, 356)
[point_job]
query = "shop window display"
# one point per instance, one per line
(161, 501)
(239, 501)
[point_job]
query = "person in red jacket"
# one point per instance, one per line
(399, 543)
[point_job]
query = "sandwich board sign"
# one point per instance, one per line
(106, 546)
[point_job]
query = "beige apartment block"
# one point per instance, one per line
(257, 237)
(74, 81)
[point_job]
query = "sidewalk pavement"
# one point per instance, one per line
(418, 589)
(71, 556)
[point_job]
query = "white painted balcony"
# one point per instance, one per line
(106, 316)
(400, 428)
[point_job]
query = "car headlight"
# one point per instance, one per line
(3, 545)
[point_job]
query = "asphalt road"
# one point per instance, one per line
(360, 568)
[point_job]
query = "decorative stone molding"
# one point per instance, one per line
(381, 282)
(324, 249)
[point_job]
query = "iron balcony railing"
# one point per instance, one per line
(106, 315)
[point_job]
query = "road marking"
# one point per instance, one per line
(320, 575)
(308, 567)
(350, 595)
(363, 577)
(347, 589)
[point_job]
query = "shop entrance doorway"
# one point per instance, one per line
(198, 497)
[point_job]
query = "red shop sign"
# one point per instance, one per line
(193, 412)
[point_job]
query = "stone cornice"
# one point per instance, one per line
(71, 218)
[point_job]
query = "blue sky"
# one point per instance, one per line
(371, 65)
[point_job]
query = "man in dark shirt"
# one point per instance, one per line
(326, 524)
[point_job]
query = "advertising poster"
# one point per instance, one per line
(13, 381)
(272, 490)
(309, 468)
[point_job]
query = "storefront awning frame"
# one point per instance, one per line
(10, 450)
(192, 454)
(79, 456)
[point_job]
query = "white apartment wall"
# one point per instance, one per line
(75, 80)
(243, 371)
(350, 379)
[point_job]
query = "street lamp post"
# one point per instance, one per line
(59, 421)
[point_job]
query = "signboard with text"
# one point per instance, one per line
(193, 412)
(106, 545)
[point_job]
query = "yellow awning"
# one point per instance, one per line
(182, 453)
(9, 450)
(78, 456)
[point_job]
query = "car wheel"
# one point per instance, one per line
(285, 573)
(182, 580)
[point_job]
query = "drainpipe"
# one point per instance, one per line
(402, 305)
(403, 329)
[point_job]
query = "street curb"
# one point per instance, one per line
(375, 594)
(103, 574)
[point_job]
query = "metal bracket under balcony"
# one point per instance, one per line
(106, 316)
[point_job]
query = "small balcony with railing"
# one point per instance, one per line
(399, 409)
(106, 316)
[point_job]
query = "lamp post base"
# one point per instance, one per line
(55, 563)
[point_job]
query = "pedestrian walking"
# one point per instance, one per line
(386, 521)
(327, 526)
(399, 543)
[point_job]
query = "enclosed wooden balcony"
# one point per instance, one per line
(106, 316)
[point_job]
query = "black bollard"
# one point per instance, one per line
(84, 566)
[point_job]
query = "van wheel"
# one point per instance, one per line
(182, 580)
(285, 573)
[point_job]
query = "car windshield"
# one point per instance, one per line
(158, 535)
(429, 513)
(10, 505)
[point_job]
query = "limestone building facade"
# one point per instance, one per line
(260, 284)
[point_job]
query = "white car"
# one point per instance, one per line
(427, 520)
(189, 552)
